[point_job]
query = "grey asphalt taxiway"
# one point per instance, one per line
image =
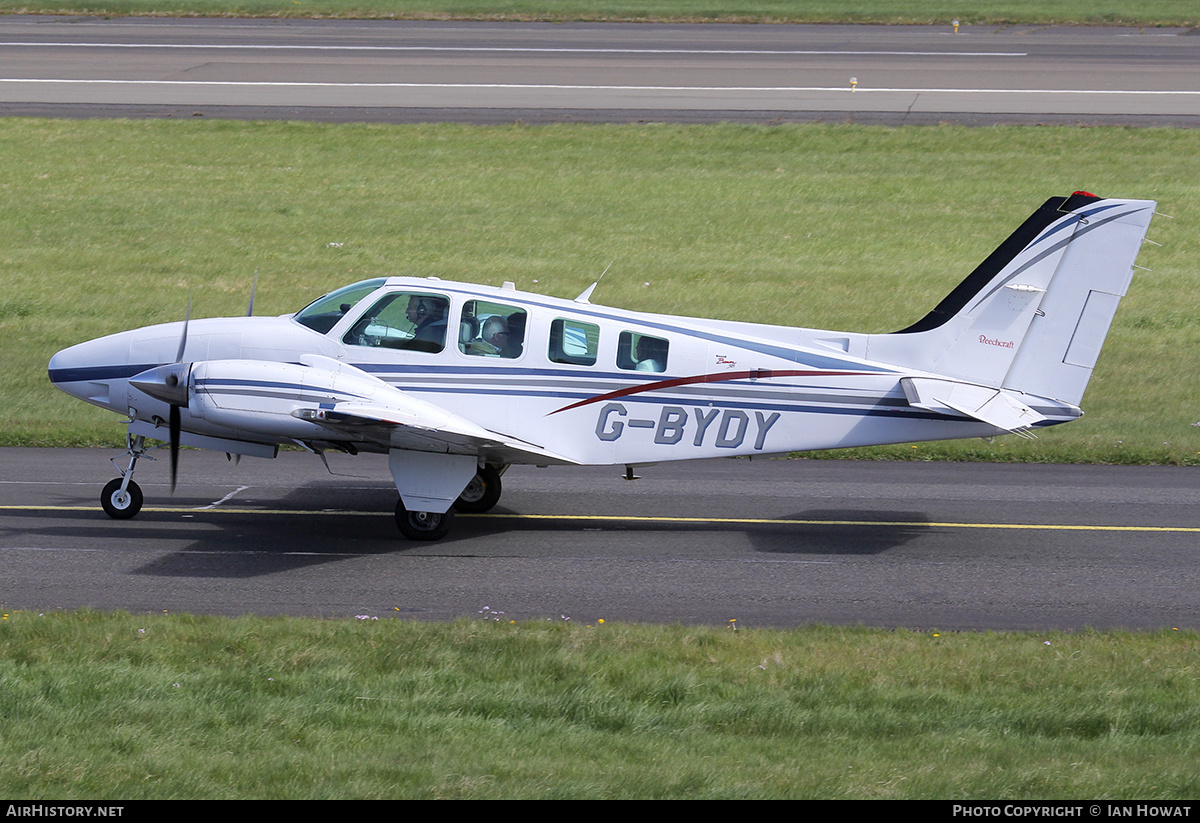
(764, 542)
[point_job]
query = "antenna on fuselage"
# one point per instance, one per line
(253, 289)
(586, 296)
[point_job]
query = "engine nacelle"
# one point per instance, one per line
(281, 399)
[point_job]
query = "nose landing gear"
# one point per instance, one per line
(121, 498)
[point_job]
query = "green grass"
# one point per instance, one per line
(129, 707)
(110, 225)
(1102, 12)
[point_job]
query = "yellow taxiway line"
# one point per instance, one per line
(594, 518)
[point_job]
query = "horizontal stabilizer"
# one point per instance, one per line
(995, 407)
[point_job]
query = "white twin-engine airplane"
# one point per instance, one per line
(456, 382)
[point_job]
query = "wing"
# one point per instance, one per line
(324, 400)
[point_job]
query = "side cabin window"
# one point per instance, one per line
(641, 352)
(488, 329)
(574, 342)
(323, 314)
(415, 321)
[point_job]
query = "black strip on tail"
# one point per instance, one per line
(953, 303)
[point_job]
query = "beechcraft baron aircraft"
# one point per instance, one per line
(456, 382)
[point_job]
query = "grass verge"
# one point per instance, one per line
(110, 225)
(172, 706)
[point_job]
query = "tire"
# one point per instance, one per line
(482, 493)
(120, 506)
(422, 525)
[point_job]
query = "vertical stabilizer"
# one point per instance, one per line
(1033, 316)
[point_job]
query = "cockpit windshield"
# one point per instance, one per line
(323, 313)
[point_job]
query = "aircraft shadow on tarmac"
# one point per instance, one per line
(842, 532)
(240, 544)
(825, 531)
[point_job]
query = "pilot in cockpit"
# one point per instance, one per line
(428, 316)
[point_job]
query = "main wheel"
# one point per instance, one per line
(421, 525)
(481, 493)
(121, 505)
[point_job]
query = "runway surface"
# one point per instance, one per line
(765, 542)
(498, 72)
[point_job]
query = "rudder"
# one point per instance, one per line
(1063, 342)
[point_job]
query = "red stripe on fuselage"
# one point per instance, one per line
(722, 377)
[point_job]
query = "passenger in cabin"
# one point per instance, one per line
(514, 344)
(651, 354)
(500, 329)
(494, 335)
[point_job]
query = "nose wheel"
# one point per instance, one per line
(121, 503)
(121, 498)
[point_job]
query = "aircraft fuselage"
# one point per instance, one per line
(572, 388)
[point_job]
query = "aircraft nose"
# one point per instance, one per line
(90, 370)
(69, 366)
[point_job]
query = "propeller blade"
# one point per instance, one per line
(183, 338)
(174, 424)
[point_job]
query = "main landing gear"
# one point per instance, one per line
(121, 497)
(480, 495)
(422, 525)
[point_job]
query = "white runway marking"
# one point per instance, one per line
(517, 49)
(216, 503)
(576, 87)
(47, 549)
